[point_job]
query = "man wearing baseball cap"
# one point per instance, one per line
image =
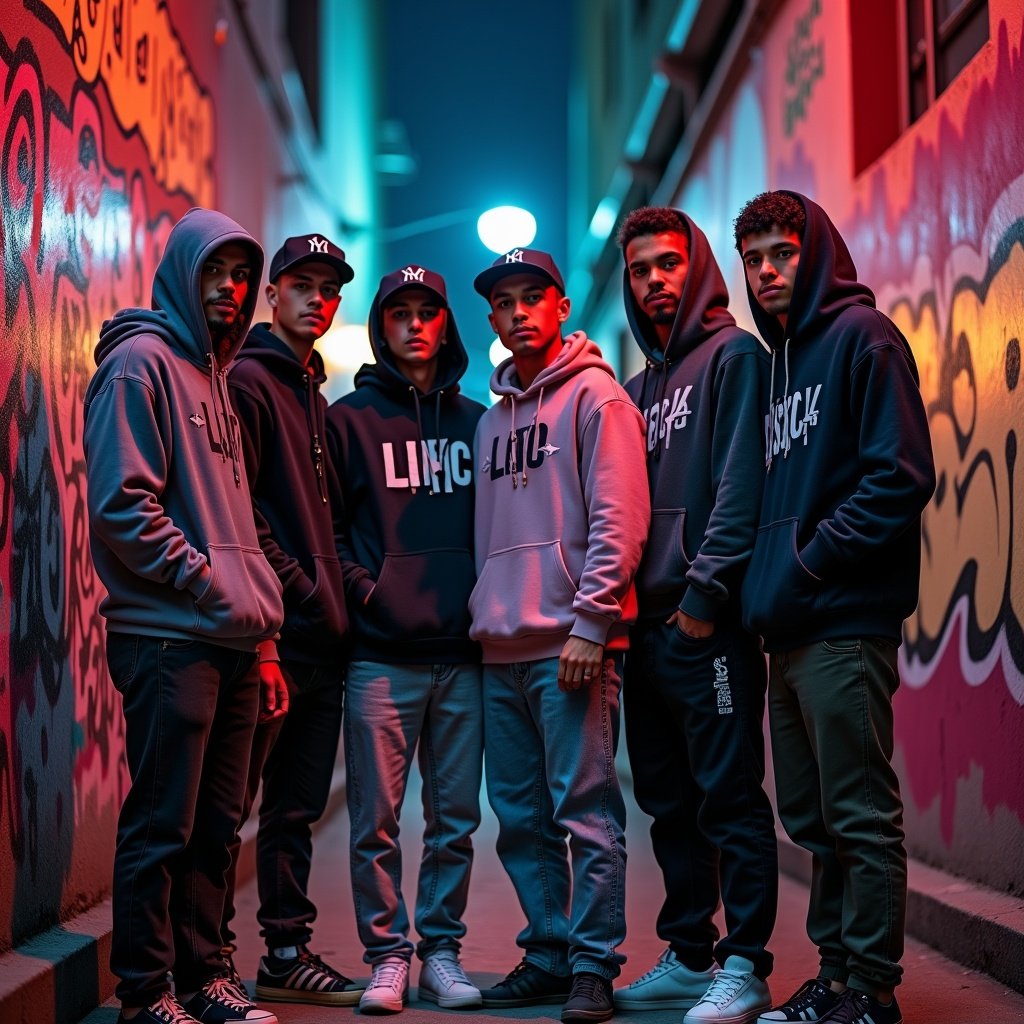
(402, 442)
(275, 391)
(562, 513)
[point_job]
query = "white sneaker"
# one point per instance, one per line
(388, 990)
(736, 996)
(668, 985)
(443, 981)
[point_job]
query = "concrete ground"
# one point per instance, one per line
(935, 990)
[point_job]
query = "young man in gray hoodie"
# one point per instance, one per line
(189, 597)
(562, 513)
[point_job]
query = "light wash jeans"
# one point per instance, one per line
(550, 768)
(389, 710)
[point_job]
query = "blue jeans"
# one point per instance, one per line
(550, 767)
(190, 710)
(294, 757)
(392, 710)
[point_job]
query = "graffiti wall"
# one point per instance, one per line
(109, 131)
(936, 226)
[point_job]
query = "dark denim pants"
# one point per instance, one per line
(694, 712)
(294, 758)
(830, 706)
(190, 710)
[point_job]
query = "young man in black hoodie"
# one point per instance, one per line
(275, 390)
(833, 575)
(403, 447)
(189, 597)
(695, 679)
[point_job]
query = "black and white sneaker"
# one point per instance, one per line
(860, 1008)
(304, 979)
(221, 1001)
(810, 1002)
(166, 1010)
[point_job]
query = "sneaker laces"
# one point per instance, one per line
(389, 974)
(310, 959)
(807, 995)
(227, 993)
(521, 968)
(666, 962)
(724, 987)
(447, 967)
(588, 984)
(168, 1009)
(853, 1008)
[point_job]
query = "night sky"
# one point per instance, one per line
(483, 92)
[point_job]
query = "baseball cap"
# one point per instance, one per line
(308, 249)
(412, 275)
(518, 261)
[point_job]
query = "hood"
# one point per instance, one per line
(452, 360)
(578, 353)
(826, 282)
(262, 344)
(703, 305)
(177, 314)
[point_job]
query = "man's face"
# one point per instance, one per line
(770, 259)
(527, 313)
(224, 284)
(304, 301)
(414, 322)
(657, 267)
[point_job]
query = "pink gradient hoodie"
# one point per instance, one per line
(562, 509)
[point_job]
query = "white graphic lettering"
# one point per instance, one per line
(791, 419)
(722, 688)
(411, 273)
(668, 415)
(439, 464)
(317, 244)
(515, 256)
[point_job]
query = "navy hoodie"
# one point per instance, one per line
(405, 536)
(170, 515)
(849, 466)
(281, 414)
(701, 400)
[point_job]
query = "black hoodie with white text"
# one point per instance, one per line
(849, 464)
(701, 400)
(405, 538)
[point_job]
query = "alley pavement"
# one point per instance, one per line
(935, 990)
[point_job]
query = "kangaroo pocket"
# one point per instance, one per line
(664, 566)
(522, 591)
(778, 592)
(421, 595)
(320, 619)
(243, 598)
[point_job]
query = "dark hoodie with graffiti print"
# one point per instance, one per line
(405, 538)
(295, 489)
(701, 399)
(170, 516)
(849, 465)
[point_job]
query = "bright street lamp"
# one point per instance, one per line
(506, 227)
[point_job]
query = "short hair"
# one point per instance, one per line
(651, 220)
(767, 211)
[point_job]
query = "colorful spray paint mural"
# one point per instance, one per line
(936, 226)
(107, 139)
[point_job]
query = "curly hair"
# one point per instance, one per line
(650, 220)
(767, 211)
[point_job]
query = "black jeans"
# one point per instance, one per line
(190, 710)
(294, 756)
(693, 714)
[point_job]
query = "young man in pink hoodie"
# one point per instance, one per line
(562, 512)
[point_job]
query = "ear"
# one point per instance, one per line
(490, 320)
(564, 305)
(272, 295)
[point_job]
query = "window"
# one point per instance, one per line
(941, 37)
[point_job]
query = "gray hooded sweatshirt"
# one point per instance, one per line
(171, 522)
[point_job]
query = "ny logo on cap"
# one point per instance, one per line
(412, 274)
(317, 244)
(515, 256)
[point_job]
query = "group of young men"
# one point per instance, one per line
(478, 586)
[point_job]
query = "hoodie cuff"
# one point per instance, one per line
(363, 588)
(591, 627)
(301, 589)
(699, 605)
(816, 558)
(199, 583)
(266, 650)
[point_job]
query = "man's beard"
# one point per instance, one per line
(663, 316)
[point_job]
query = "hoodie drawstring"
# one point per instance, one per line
(662, 430)
(221, 404)
(317, 430)
(512, 442)
(420, 442)
(769, 426)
